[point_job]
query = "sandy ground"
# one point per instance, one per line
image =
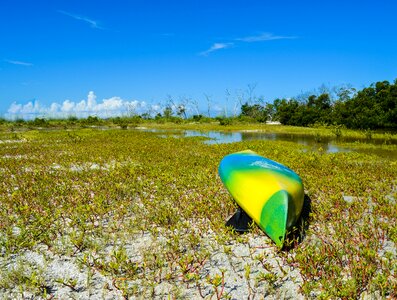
(65, 278)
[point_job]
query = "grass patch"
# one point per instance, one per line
(148, 213)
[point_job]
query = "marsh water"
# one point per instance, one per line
(311, 143)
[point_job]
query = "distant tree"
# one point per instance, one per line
(181, 110)
(146, 116)
(286, 109)
(72, 118)
(195, 106)
(227, 99)
(39, 122)
(209, 102)
(345, 93)
(167, 112)
(251, 92)
(183, 106)
(255, 111)
(270, 110)
(197, 118)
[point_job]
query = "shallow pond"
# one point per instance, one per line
(314, 143)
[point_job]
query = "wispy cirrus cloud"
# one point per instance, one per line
(266, 36)
(216, 47)
(91, 22)
(262, 37)
(19, 63)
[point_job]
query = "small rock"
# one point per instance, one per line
(349, 199)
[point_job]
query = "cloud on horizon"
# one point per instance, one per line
(19, 63)
(92, 23)
(111, 107)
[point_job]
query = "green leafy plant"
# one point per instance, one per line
(146, 211)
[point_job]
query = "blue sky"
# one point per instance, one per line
(66, 55)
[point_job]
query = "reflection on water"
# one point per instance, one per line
(217, 137)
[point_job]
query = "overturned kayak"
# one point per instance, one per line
(269, 192)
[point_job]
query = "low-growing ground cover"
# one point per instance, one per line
(124, 213)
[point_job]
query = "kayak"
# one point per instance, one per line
(267, 191)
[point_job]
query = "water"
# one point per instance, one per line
(217, 137)
(311, 142)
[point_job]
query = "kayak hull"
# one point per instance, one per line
(269, 192)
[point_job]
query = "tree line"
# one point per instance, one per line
(373, 107)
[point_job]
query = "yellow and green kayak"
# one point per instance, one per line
(269, 192)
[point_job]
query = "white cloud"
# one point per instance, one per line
(67, 106)
(114, 106)
(14, 108)
(18, 63)
(92, 23)
(91, 101)
(80, 106)
(264, 37)
(114, 103)
(156, 108)
(24, 109)
(216, 47)
(54, 108)
(28, 108)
